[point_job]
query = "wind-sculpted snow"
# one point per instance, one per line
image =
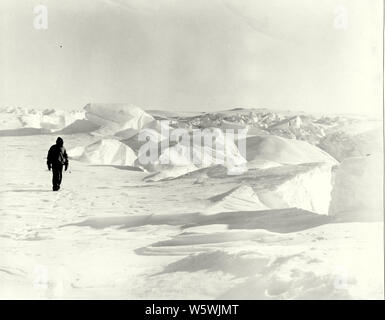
(307, 186)
(343, 145)
(154, 131)
(250, 252)
(121, 120)
(105, 151)
(287, 124)
(284, 151)
(278, 219)
(125, 120)
(113, 118)
(17, 120)
(79, 126)
(308, 189)
(358, 189)
(239, 198)
(194, 149)
(170, 172)
(112, 233)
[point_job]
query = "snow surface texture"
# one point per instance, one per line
(297, 224)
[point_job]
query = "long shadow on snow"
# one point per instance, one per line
(275, 220)
(129, 168)
(27, 190)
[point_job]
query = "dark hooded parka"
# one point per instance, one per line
(56, 159)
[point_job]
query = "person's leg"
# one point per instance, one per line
(60, 174)
(55, 178)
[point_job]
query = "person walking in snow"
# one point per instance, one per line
(56, 159)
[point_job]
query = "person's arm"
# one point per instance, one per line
(49, 159)
(65, 160)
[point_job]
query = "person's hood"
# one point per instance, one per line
(59, 142)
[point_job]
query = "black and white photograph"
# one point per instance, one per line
(191, 150)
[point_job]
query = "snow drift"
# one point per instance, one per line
(114, 118)
(104, 151)
(46, 120)
(79, 126)
(240, 198)
(170, 172)
(284, 151)
(306, 186)
(343, 145)
(153, 131)
(193, 153)
(358, 189)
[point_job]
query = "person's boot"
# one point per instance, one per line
(55, 188)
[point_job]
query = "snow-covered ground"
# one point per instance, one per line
(294, 225)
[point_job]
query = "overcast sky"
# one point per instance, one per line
(194, 54)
